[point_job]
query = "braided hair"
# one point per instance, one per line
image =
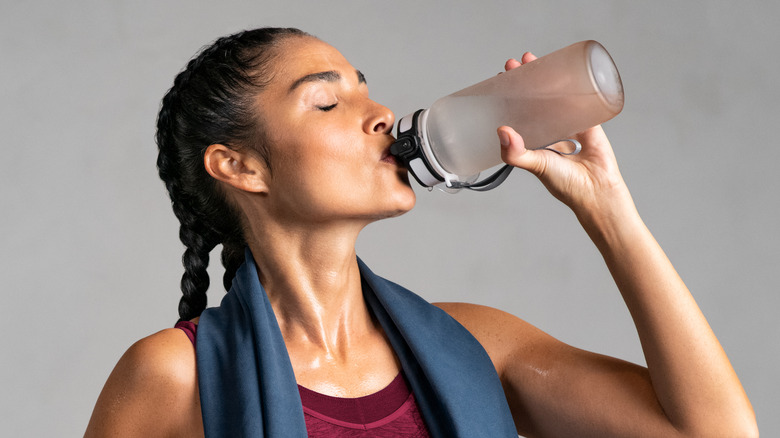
(212, 102)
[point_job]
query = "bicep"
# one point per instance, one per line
(557, 390)
(150, 390)
(554, 389)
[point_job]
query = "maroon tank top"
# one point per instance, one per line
(389, 413)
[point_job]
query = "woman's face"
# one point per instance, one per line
(328, 141)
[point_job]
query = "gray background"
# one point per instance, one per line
(90, 255)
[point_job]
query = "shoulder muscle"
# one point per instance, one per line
(501, 334)
(152, 391)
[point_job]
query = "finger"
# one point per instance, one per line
(527, 57)
(512, 63)
(514, 153)
(593, 135)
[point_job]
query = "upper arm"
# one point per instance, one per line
(152, 391)
(554, 389)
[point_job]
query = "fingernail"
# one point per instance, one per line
(504, 138)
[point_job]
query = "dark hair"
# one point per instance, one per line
(212, 102)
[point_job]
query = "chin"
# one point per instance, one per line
(411, 201)
(401, 211)
(406, 197)
(403, 200)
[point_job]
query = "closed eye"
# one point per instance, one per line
(326, 108)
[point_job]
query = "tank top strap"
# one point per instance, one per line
(189, 328)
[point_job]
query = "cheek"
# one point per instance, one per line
(325, 165)
(335, 153)
(305, 150)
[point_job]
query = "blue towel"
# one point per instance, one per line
(248, 388)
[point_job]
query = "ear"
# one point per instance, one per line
(241, 170)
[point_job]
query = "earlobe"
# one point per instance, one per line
(240, 170)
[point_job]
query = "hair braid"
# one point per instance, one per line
(232, 258)
(211, 101)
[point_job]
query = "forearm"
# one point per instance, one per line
(690, 373)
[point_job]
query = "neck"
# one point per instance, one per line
(311, 276)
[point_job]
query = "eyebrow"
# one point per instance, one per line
(324, 76)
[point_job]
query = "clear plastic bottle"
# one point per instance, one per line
(546, 100)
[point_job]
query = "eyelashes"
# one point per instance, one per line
(327, 107)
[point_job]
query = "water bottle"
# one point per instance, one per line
(547, 101)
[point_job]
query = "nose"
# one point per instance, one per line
(380, 121)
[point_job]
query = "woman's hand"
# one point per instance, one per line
(585, 182)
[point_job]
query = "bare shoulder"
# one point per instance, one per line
(504, 336)
(152, 391)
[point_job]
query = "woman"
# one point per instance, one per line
(268, 141)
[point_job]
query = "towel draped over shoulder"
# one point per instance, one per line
(248, 388)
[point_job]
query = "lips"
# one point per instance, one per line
(387, 157)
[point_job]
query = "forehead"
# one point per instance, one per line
(299, 57)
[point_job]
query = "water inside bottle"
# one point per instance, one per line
(462, 129)
(462, 133)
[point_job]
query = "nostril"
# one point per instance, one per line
(382, 128)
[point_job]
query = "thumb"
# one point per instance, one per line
(514, 153)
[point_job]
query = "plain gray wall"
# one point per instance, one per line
(90, 256)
